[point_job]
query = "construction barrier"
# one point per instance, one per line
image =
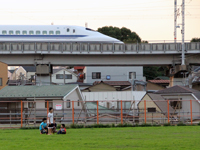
(31, 113)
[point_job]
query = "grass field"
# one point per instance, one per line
(151, 138)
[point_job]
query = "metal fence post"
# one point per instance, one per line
(73, 112)
(47, 108)
(21, 114)
(97, 113)
(168, 110)
(145, 113)
(121, 113)
(191, 110)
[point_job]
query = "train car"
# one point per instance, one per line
(51, 33)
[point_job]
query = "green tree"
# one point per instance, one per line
(151, 72)
(123, 34)
(195, 40)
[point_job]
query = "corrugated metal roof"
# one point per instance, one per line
(159, 81)
(36, 91)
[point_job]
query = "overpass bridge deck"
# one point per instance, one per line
(96, 48)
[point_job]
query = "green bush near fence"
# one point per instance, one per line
(98, 138)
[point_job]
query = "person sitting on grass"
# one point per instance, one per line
(43, 126)
(55, 126)
(62, 129)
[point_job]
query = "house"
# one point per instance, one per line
(112, 73)
(118, 85)
(3, 75)
(30, 72)
(149, 87)
(62, 76)
(161, 82)
(179, 99)
(35, 100)
(99, 87)
(18, 73)
(156, 109)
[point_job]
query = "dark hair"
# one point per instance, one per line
(63, 125)
(50, 108)
(44, 119)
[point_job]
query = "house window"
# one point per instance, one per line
(31, 32)
(44, 32)
(31, 105)
(134, 75)
(1, 82)
(37, 32)
(152, 109)
(57, 32)
(24, 32)
(68, 103)
(17, 32)
(51, 32)
(96, 75)
(78, 103)
(4, 32)
(61, 76)
(176, 104)
(50, 104)
(11, 32)
(67, 29)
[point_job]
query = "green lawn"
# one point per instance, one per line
(151, 138)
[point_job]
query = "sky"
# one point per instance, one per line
(152, 20)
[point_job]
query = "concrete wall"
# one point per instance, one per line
(116, 73)
(61, 81)
(3, 74)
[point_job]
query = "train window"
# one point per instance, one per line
(67, 29)
(37, 32)
(4, 32)
(17, 32)
(51, 32)
(57, 32)
(73, 30)
(31, 32)
(44, 32)
(24, 32)
(89, 29)
(11, 32)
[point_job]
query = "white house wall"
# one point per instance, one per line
(61, 81)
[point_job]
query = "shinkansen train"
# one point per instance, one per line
(50, 33)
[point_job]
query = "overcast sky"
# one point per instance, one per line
(153, 20)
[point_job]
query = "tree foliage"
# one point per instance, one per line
(152, 72)
(122, 34)
(195, 40)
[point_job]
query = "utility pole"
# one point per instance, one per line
(183, 32)
(175, 19)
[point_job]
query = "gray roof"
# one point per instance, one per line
(29, 68)
(161, 102)
(56, 70)
(177, 89)
(11, 71)
(36, 91)
(92, 106)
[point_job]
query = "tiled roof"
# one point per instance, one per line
(78, 67)
(177, 89)
(11, 71)
(114, 83)
(159, 81)
(36, 91)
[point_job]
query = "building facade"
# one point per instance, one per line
(96, 73)
(3, 75)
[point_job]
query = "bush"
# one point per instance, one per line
(156, 125)
(181, 124)
(198, 124)
(145, 125)
(167, 124)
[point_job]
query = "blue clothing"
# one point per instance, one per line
(43, 124)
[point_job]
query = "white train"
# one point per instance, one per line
(50, 33)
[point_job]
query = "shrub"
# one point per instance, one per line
(167, 124)
(181, 124)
